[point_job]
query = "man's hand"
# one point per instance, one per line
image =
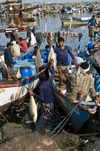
(75, 101)
(31, 93)
(52, 62)
(50, 45)
(11, 65)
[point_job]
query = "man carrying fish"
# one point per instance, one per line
(50, 108)
(62, 60)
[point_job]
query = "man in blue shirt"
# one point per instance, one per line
(50, 108)
(9, 61)
(92, 22)
(62, 60)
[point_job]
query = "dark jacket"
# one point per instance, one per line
(8, 57)
(45, 89)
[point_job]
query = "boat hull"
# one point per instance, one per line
(13, 94)
(79, 115)
(95, 58)
(74, 22)
(54, 11)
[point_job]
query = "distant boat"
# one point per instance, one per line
(75, 10)
(75, 20)
(94, 56)
(54, 11)
(13, 7)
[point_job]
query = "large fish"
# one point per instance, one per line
(33, 109)
(51, 56)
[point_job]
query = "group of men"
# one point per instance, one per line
(15, 48)
(81, 81)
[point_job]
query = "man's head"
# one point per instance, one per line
(93, 16)
(20, 38)
(42, 77)
(13, 31)
(85, 67)
(21, 16)
(9, 45)
(61, 41)
(36, 48)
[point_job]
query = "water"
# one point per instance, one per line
(53, 23)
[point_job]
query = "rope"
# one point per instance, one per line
(8, 123)
(62, 126)
(66, 117)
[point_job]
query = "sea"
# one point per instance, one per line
(53, 24)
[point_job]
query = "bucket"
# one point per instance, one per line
(25, 72)
(90, 46)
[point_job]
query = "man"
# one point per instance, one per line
(15, 49)
(23, 44)
(62, 59)
(92, 23)
(81, 81)
(30, 39)
(50, 108)
(14, 37)
(9, 61)
(35, 51)
(19, 20)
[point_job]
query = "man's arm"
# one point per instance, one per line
(88, 22)
(10, 58)
(92, 88)
(40, 96)
(73, 57)
(53, 72)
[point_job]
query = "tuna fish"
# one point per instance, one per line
(51, 56)
(33, 109)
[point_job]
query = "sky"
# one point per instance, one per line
(52, 1)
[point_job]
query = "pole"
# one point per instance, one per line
(71, 21)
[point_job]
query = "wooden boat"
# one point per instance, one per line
(84, 110)
(23, 56)
(80, 114)
(75, 20)
(54, 11)
(13, 7)
(93, 56)
(27, 55)
(14, 92)
(30, 8)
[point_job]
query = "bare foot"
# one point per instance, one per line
(10, 79)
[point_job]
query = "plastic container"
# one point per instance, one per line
(44, 57)
(28, 56)
(90, 46)
(25, 72)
